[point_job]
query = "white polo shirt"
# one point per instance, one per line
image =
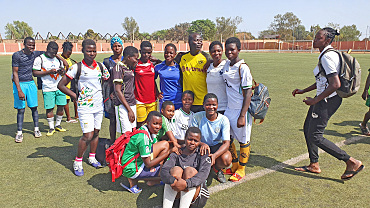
(216, 84)
(331, 64)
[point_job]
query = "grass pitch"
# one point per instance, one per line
(38, 172)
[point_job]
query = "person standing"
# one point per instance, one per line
(51, 70)
(90, 102)
(193, 72)
(24, 88)
(323, 106)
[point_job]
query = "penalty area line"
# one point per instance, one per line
(280, 166)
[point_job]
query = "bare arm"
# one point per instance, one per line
(40, 73)
(121, 97)
(151, 163)
(334, 84)
(365, 94)
(307, 89)
(246, 102)
(62, 87)
(16, 82)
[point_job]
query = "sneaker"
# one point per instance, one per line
(365, 130)
(50, 132)
(18, 138)
(37, 134)
(59, 128)
(78, 170)
(94, 162)
(220, 177)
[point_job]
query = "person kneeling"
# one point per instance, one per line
(184, 175)
(143, 155)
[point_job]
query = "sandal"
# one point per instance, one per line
(72, 121)
(365, 130)
(134, 189)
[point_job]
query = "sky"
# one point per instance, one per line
(106, 16)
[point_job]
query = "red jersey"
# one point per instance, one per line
(144, 82)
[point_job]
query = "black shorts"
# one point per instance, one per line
(215, 148)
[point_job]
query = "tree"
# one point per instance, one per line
(131, 28)
(264, 33)
(300, 33)
(181, 31)
(206, 28)
(160, 34)
(285, 25)
(18, 30)
(349, 33)
(226, 27)
(333, 25)
(245, 35)
(90, 34)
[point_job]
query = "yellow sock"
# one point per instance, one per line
(243, 158)
(234, 155)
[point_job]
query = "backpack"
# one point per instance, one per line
(103, 145)
(108, 91)
(260, 100)
(115, 152)
(349, 74)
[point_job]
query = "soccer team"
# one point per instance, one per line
(203, 102)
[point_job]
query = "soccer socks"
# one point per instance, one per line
(50, 122)
(35, 117)
(92, 155)
(20, 117)
(234, 156)
(243, 158)
(78, 160)
(58, 120)
(169, 196)
(187, 197)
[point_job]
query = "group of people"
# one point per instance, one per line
(203, 102)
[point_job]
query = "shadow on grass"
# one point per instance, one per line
(103, 182)
(63, 155)
(28, 128)
(268, 162)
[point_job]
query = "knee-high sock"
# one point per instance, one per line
(20, 117)
(234, 156)
(187, 197)
(244, 154)
(169, 196)
(35, 116)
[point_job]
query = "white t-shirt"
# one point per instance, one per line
(50, 81)
(90, 99)
(216, 84)
(182, 123)
(331, 64)
(233, 86)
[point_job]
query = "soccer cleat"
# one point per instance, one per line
(59, 128)
(236, 177)
(92, 161)
(37, 134)
(50, 132)
(18, 138)
(220, 177)
(78, 169)
(228, 171)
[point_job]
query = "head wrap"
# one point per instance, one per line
(115, 39)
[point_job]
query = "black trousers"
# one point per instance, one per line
(316, 121)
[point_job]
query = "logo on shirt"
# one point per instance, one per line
(208, 160)
(147, 150)
(200, 62)
(314, 115)
(217, 129)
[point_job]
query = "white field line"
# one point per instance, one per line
(282, 165)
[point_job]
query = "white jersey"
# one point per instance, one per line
(90, 99)
(216, 84)
(331, 64)
(233, 84)
(181, 124)
(50, 81)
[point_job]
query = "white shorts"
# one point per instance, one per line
(123, 124)
(90, 121)
(243, 135)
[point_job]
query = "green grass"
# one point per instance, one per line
(38, 172)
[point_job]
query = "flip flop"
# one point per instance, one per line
(134, 189)
(72, 121)
(305, 169)
(352, 172)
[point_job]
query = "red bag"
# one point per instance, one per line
(115, 152)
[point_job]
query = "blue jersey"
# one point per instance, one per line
(213, 132)
(169, 82)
